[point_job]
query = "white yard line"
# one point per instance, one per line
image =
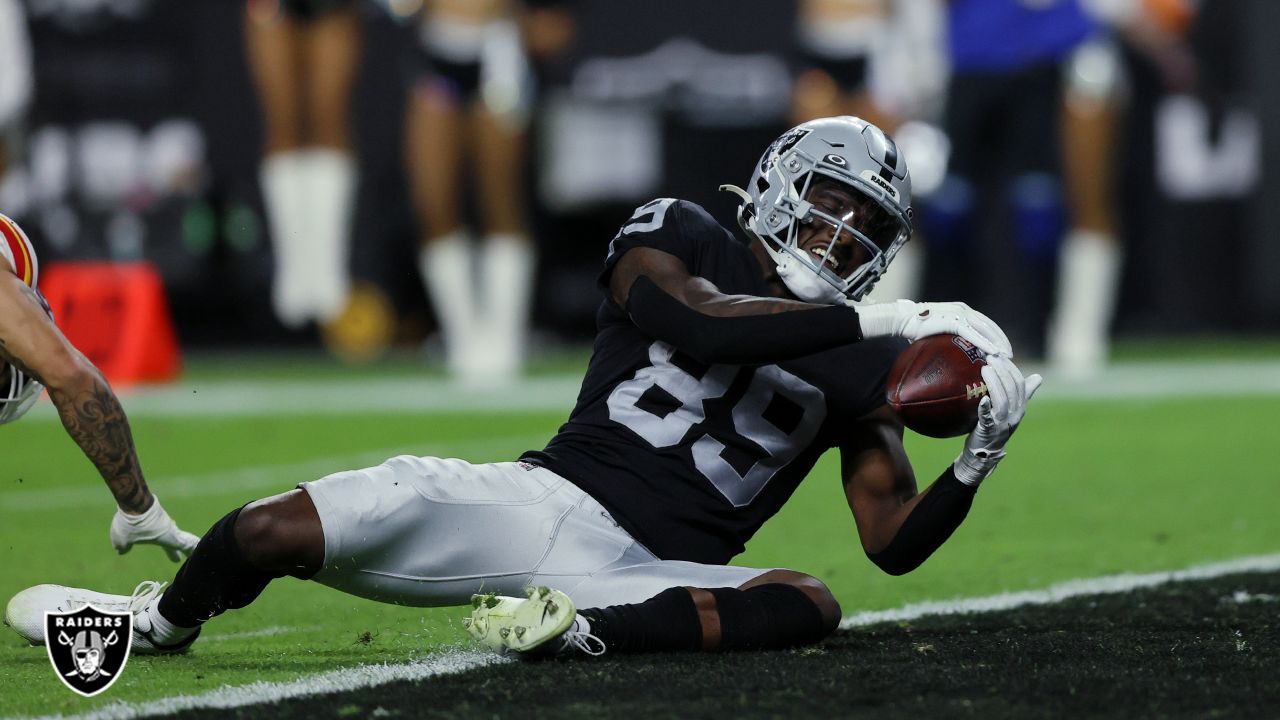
(456, 661)
(260, 477)
(1171, 379)
(364, 676)
(408, 395)
(1105, 585)
(263, 632)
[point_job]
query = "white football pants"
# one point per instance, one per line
(427, 531)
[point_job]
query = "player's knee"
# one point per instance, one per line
(258, 535)
(821, 595)
(813, 588)
(778, 610)
(275, 535)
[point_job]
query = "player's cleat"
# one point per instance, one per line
(542, 623)
(25, 613)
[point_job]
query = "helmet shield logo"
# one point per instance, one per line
(782, 145)
(88, 647)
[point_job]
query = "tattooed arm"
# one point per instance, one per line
(89, 409)
(94, 419)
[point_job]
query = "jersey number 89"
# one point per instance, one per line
(778, 414)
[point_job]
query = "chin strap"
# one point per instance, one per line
(800, 279)
(747, 208)
(803, 281)
(746, 197)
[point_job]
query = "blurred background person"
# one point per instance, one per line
(15, 78)
(1090, 259)
(1004, 179)
(467, 113)
(882, 61)
(837, 41)
(303, 55)
(152, 157)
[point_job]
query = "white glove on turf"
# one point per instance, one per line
(912, 320)
(153, 527)
(999, 413)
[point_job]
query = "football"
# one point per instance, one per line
(936, 384)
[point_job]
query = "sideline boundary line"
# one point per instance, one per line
(457, 660)
(1103, 585)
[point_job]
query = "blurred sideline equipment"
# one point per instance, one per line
(31, 346)
(118, 316)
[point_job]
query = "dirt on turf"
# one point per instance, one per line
(1201, 649)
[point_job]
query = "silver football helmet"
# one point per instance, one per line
(18, 392)
(849, 151)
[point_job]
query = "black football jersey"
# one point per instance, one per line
(692, 458)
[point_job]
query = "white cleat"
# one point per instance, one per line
(541, 623)
(25, 612)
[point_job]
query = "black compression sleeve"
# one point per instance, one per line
(743, 339)
(930, 523)
(216, 578)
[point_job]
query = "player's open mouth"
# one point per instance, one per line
(824, 256)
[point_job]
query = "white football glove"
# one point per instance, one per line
(154, 527)
(999, 413)
(912, 320)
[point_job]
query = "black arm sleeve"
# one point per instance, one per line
(930, 523)
(744, 339)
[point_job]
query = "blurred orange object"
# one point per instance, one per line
(1172, 15)
(117, 314)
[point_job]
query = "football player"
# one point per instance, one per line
(721, 372)
(34, 355)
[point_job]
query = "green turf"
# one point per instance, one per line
(1088, 488)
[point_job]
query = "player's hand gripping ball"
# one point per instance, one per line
(936, 384)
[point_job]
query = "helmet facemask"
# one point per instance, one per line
(18, 392)
(862, 239)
